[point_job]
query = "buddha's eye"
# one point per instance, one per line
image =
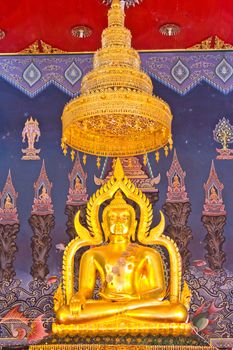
(125, 218)
(112, 219)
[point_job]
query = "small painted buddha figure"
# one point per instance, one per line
(132, 276)
(44, 197)
(213, 195)
(176, 182)
(8, 203)
(78, 184)
(130, 162)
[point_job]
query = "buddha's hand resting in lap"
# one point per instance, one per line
(77, 303)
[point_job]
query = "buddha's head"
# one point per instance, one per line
(77, 180)
(213, 190)
(119, 218)
(8, 199)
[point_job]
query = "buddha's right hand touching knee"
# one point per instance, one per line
(77, 303)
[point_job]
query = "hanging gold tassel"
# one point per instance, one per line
(98, 162)
(63, 147)
(72, 155)
(170, 142)
(145, 159)
(65, 150)
(157, 156)
(84, 159)
(166, 151)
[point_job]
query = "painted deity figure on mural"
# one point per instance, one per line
(44, 197)
(77, 184)
(31, 133)
(176, 182)
(8, 203)
(132, 276)
(213, 195)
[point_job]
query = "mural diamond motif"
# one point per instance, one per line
(73, 73)
(180, 72)
(224, 70)
(31, 74)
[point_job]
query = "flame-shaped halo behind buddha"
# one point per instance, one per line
(119, 182)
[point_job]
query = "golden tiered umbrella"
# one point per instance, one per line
(116, 114)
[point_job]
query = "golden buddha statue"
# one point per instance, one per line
(133, 295)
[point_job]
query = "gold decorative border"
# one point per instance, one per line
(115, 347)
(212, 43)
(40, 47)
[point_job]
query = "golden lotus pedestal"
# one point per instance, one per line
(121, 333)
(122, 325)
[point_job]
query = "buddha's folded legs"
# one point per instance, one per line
(164, 313)
(150, 310)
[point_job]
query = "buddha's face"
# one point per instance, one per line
(119, 221)
(212, 190)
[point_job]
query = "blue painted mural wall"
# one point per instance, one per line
(196, 112)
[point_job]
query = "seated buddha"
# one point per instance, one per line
(8, 203)
(132, 276)
(78, 185)
(176, 182)
(44, 197)
(213, 195)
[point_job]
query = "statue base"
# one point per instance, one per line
(122, 342)
(116, 347)
(122, 325)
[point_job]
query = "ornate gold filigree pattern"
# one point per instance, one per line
(221, 44)
(40, 47)
(117, 347)
(213, 42)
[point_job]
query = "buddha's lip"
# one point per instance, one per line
(119, 233)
